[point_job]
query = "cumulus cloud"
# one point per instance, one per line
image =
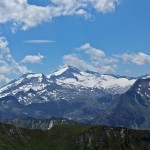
(74, 60)
(23, 15)
(97, 60)
(8, 65)
(139, 58)
(7, 62)
(3, 80)
(4, 45)
(93, 52)
(33, 59)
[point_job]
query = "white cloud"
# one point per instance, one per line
(39, 41)
(97, 60)
(4, 45)
(139, 58)
(74, 60)
(3, 80)
(93, 52)
(8, 66)
(24, 16)
(104, 6)
(7, 62)
(33, 59)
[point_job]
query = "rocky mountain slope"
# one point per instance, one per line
(71, 137)
(130, 109)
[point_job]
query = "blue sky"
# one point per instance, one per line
(107, 36)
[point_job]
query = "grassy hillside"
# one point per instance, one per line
(73, 137)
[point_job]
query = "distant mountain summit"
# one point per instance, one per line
(69, 75)
(64, 72)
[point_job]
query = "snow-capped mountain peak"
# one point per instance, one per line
(69, 75)
(146, 76)
(67, 83)
(63, 70)
(33, 75)
(28, 78)
(34, 81)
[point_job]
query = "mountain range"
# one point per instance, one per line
(83, 96)
(37, 88)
